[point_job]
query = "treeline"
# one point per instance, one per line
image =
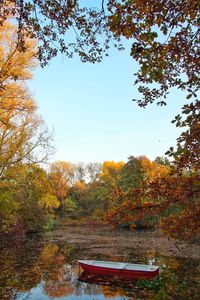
(32, 198)
(137, 194)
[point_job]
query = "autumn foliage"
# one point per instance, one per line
(166, 198)
(24, 141)
(138, 193)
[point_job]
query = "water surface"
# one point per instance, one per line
(44, 266)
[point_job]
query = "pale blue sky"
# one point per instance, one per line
(90, 108)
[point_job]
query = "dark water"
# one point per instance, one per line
(44, 266)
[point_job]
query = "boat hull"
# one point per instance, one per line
(122, 273)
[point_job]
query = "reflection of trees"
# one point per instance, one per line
(59, 281)
(179, 279)
(24, 267)
(47, 255)
(28, 263)
(186, 279)
(86, 289)
(109, 286)
(58, 276)
(110, 292)
(6, 271)
(18, 268)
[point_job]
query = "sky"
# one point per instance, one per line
(90, 109)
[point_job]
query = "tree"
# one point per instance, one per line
(8, 209)
(187, 154)
(24, 139)
(154, 170)
(131, 174)
(50, 21)
(61, 177)
(162, 161)
(34, 194)
(166, 197)
(180, 205)
(26, 199)
(23, 135)
(132, 202)
(166, 37)
(93, 171)
(110, 173)
(80, 172)
(164, 33)
(14, 64)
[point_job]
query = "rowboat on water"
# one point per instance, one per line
(125, 270)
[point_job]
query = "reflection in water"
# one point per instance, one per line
(111, 286)
(105, 280)
(45, 267)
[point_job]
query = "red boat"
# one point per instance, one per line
(119, 269)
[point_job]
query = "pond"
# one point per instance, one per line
(44, 266)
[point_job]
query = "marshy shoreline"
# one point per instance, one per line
(103, 238)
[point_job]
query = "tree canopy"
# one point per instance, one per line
(23, 134)
(26, 200)
(165, 36)
(165, 43)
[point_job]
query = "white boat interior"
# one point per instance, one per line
(119, 265)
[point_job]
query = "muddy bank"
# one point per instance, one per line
(104, 239)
